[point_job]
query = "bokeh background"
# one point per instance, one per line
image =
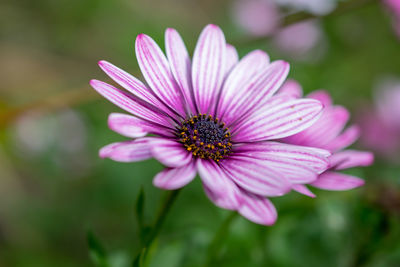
(54, 189)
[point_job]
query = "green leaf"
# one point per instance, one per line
(97, 252)
(139, 260)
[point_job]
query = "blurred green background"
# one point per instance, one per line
(54, 188)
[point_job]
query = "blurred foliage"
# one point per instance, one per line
(51, 195)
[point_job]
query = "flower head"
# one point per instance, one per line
(329, 133)
(213, 115)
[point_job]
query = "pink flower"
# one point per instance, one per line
(381, 123)
(257, 17)
(329, 133)
(394, 8)
(214, 116)
(299, 39)
(388, 104)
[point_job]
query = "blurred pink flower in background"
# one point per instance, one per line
(394, 8)
(257, 17)
(329, 133)
(61, 135)
(381, 122)
(262, 18)
(299, 39)
(36, 132)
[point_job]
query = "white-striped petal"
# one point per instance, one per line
(134, 127)
(336, 181)
(156, 70)
(174, 178)
(129, 82)
(169, 152)
(258, 209)
(278, 121)
(232, 58)
(208, 68)
(292, 89)
(254, 175)
(219, 188)
(129, 151)
(314, 158)
(180, 63)
(322, 96)
(256, 92)
(302, 189)
(351, 158)
(348, 137)
(239, 78)
(131, 104)
(325, 130)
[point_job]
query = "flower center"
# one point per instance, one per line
(205, 137)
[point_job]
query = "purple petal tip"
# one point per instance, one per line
(140, 36)
(371, 158)
(93, 82)
(103, 154)
(212, 26)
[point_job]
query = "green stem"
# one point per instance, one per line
(341, 9)
(215, 245)
(162, 214)
(157, 226)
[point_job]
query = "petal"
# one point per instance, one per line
(254, 175)
(291, 88)
(129, 82)
(325, 130)
(257, 209)
(302, 189)
(174, 178)
(351, 158)
(131, 104)
(240, 76)
(291, 170)
(169, 152)
(314, 158)
(348, 137)
(225, 201)
(133, 127)
(322, 96)
(337, 181)
(232, 58)
(156, 70)
(181, 68)
(278, 121)
(129, 151)
(256, 92)
(277, 99)
(208, 68)
(218, 186)
(279, 71)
